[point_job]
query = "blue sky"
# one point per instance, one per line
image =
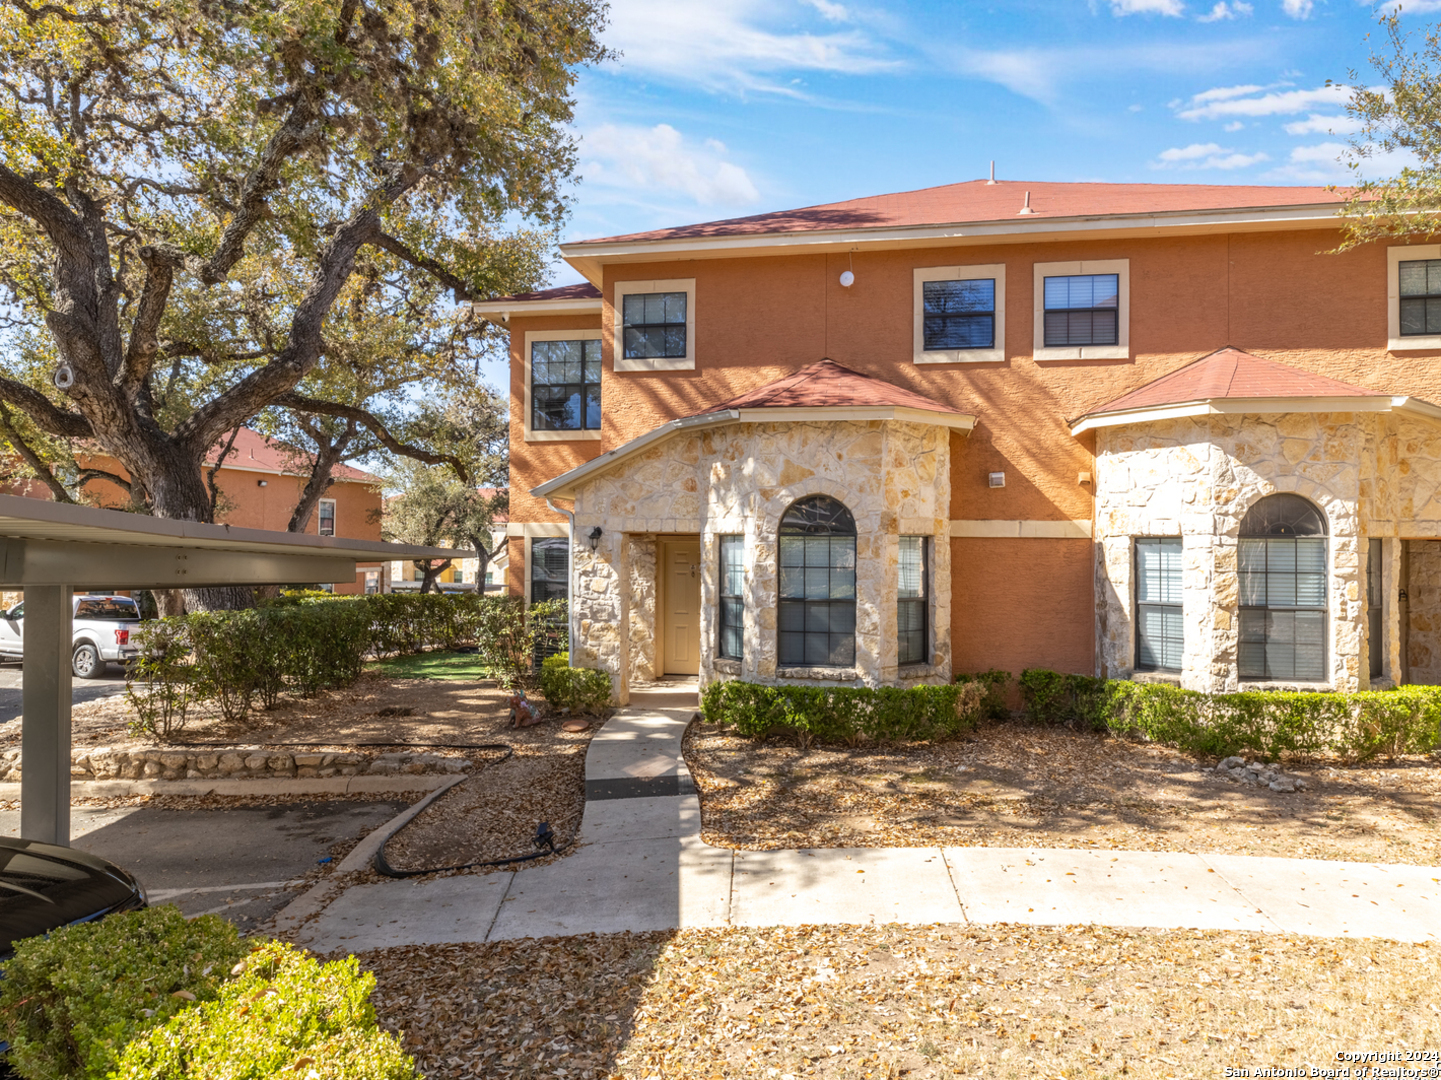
(726, 107)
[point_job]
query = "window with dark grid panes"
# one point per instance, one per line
(911, 601)
(549, 568)
(817, 613)
(654, 325)
(731, 643)
(1420, 287)
(959, 314)
(1082, 309)
(1160, 636)
(1282, 564)
(565, 385)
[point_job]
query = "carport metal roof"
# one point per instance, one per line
(51, 549)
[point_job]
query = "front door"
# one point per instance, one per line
(679, 630)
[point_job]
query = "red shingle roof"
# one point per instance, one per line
(977, 200)
(584, 291)
(1232, 373)
(253, 450)
(826, 384)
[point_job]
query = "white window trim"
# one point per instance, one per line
(1119, 351)
(532, 336)
(988, 271)
(318, 515)
(657, 363)
(1395, 256)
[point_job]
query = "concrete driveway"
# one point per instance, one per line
(83, 689)
(238, 863)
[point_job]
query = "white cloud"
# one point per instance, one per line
(832, 11)
(1173, 8)
(1245, 101)
(1234, 125)
(1298, 9)
(1206, 156)
(1413, 7)
(1227, 10)
(728, 45)
(1324, 125)
(661, 159)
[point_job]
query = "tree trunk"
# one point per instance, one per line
(169, 602)
(427, 583)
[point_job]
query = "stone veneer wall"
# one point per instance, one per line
(894, 476)
(1376, 475)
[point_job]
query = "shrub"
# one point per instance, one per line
(509, 636)
(578, 689)
(993, 683)
(168, 687)
(844, 713)
(1270, 723)
(285, 1014)
(70, 1001)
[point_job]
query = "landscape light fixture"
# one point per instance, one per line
(262, 483)
(595, 535)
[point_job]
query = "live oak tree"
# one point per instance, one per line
(216, 208)
(1399, 115)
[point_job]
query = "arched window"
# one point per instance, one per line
(817, 584)
(1283, 590)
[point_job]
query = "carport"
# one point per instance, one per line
(51, 549)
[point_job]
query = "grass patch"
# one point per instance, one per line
(432, 665)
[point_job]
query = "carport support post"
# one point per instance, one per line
(45, 727)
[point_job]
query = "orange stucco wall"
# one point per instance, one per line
(757, 319)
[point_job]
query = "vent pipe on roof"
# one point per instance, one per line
(992, 180)
(1026, 209)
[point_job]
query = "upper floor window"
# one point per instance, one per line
(1082, 310)
(565, 385)
(1420, 300)
(655, 325)
(1282, 561)
(817, 584)
(327, 517)
(960, 314)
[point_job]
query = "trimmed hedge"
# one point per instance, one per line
(303, 644)
(994, 683)
(578, 689)
(285, 1014)
(71, 1000)
(844, 713)
(1270, 723)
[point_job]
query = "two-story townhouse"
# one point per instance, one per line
(1150, 430)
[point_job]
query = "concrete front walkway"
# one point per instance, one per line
(642, 866)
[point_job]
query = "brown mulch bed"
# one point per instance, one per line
(888, 1001)
(1014, 785)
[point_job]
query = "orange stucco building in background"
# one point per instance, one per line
(1197, 269)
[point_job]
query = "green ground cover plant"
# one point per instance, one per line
(439, 664)
(844, 713)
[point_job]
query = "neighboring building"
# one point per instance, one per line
(1112, 428)
(461, 575)
(260, 483)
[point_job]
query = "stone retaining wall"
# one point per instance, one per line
(237, 763)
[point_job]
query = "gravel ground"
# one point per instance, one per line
(887, 1002)
(1013, 785)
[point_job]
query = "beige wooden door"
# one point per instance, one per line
(680, 607)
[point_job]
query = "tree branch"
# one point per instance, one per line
(144, 344)
(435, 268)
(301, 403)
(31, 458)
(43, 412)
(219, 461)
(86, 475)
(46, 209)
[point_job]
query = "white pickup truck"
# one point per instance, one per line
(103, 627)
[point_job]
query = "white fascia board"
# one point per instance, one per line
(831, 413)
(1235, 406)
(588, 256)
(562, 486)
(505, 310)
(1417, 406)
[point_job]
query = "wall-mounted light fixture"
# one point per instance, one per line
(595, 535)
(262, 483)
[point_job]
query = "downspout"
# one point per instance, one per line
(570, 583)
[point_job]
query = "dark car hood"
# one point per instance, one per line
(43, 886)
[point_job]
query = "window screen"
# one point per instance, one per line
(654, 325)
(1160, 635)
(731, 644)
(1282, 561)
(959, 314)
(911, 601)
(1083, 309)
(1420, 283)
(565, 385)
(1374, 607)
(817, 584)
(549, 569)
